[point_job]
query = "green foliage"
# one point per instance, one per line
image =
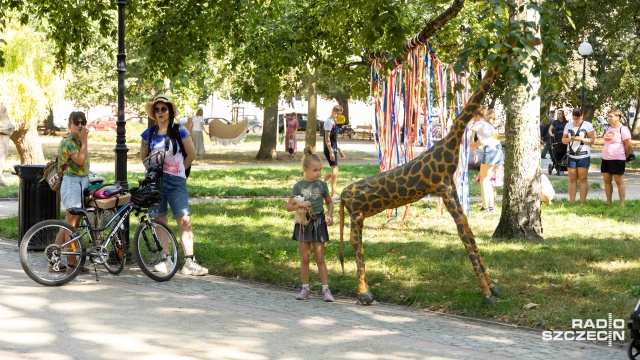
(30, 84)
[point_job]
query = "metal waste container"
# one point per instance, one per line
(36, 200)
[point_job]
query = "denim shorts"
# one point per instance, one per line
(579, 163)
(71, 190)
(492, 155)
(174, 194)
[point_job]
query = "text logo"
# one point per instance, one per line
(608, 330)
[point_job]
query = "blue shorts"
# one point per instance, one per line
(579, 163)
(492, 155)
(71, 190)
(174, 193)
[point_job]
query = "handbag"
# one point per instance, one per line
(631, 157)
(565, 161)
(53, 174)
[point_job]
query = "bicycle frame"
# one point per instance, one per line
(124, 211)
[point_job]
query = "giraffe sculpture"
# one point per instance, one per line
(430, 173)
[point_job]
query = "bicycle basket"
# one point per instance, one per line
(146, 196)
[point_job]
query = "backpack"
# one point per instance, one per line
(175, 138)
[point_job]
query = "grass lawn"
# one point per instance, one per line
(585, 268)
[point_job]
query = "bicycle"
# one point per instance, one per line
(51, 264)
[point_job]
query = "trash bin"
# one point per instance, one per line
(36, 200)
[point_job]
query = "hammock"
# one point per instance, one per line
(227, 134)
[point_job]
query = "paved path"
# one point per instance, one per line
(132, 317)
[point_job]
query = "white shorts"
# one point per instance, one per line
(72, 189)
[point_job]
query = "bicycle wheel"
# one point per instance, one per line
(116, 247)
(152, 243)
(47, 263)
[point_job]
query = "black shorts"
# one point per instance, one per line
(613, 167)
(327, 155)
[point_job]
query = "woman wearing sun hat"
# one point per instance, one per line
(173, 187)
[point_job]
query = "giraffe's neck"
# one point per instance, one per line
(456, 133)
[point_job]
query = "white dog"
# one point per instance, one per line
(546, 189)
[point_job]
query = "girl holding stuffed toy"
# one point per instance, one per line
(315, 194)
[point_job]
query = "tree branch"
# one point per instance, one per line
(427, 31)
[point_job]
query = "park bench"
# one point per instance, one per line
(364, 130)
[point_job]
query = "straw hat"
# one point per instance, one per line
(160, 98)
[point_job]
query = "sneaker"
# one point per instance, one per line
(191, 267)
(163, 266)
(337, 198)
(303, 295)
(326, 295)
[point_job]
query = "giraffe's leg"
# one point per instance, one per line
(364, 296)
(464, 231)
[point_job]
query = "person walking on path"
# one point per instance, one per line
(545, 138)
(331, 149)
(617, 146)
(579, 135)
(173, 184)
(313, 192)
(196, 134)
(73, 156)
(290, 141)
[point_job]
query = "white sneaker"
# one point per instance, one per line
(192, 268)
(337, 198)
(163, 266)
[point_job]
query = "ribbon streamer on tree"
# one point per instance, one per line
(412, 108)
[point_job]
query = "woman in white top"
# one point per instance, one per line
(491, 159)
(579, 135)
(196, 134)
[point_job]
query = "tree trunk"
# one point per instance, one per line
(344, 102)
(312, 111)
(635, 129)
(520, 216)
(28, 145)
(49, 126)
(269, 139)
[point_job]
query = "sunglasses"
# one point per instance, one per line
(160, 110)
(79, 122)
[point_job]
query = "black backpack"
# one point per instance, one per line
(175, 138)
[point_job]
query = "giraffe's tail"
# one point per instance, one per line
(342, 235)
